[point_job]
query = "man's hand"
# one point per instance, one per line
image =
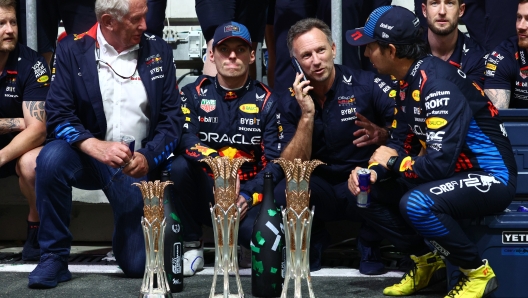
(371, 134)
(138, 166)
(241, 201)
(242, 204)
(113, 154)
(382, 155)
(353, 183)
(303, 98)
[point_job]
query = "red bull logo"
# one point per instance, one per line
(493, 110)
(230, 95)
(203, 149)
(406, 164)
(233, 153)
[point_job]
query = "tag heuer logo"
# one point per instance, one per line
(208, 105)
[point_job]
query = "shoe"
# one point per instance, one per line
(51, 270)
(31, 250)
(245, 258)
(371, 263)
(475, 282)
(319, 241)
(193, 260)
(427, 270)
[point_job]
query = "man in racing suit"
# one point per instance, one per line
(111, 81)
(467, 169)
(320, 121)
(507, 67)
(226, 115)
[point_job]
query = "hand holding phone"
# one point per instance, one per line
(297, 68)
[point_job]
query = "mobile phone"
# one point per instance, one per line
(297, 68)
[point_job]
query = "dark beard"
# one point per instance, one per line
(443, 32)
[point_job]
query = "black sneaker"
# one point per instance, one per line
(371, 262)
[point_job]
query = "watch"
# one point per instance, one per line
(391, 161)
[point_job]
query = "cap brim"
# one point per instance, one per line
(357, 37)
(241, 38)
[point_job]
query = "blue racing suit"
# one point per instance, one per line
(219, 122)
(468, 168)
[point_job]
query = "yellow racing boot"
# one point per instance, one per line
(428, 269)
(475, 283)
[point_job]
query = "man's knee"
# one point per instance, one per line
(53, 155)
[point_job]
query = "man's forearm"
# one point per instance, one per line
(499, 97)
(28, 139)
(9, 125)
(300, 145)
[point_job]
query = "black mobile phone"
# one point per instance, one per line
(297, 68)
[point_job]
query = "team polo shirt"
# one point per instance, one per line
(507, 69)
(25, 77)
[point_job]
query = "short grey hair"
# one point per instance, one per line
(304, 26)
(116, 8)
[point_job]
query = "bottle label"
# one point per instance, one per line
(176, 258)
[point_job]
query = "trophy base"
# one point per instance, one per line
(155, 295)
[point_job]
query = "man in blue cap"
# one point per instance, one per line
(232, 115)
(448, 158)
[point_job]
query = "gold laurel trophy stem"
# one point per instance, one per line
(297, 218)
(155, 283)
(225, 215)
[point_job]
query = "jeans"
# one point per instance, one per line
(61, 166)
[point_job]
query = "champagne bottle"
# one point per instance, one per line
(267, 246)
(173, 245)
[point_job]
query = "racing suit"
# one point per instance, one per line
(507, 68)
(220, 122)
(468, 168)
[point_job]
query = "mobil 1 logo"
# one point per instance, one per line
(514, 237)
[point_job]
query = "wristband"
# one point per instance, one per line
(391, 161)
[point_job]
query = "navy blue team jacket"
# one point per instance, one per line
(74, 104)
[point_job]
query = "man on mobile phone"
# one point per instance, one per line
(322, 119)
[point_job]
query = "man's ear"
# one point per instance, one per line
(392, 51)
(107, 21)
(462, 9)
(211, 55)
(252, 57)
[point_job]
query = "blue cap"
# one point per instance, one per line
(229, 30)
(391, 24)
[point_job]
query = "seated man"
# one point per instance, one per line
(25, 80)
(466, 170)
(450, 44)
(321, 121)
(109, 82)
(226, 115)
(507, 67)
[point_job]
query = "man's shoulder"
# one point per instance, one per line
(471, 47)
(153, 42)
(202, 81)
(507, 47)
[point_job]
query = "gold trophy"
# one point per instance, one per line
(225, 215)
(155, 284)
(297, 218)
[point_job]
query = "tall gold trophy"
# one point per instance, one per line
(297, 218)
(225, 215)
(155, 284)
